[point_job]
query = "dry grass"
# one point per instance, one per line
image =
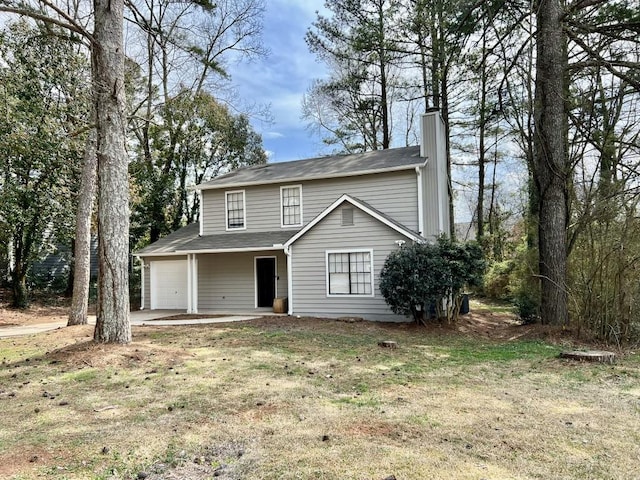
(294, 398)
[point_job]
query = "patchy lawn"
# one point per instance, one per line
(292, 398)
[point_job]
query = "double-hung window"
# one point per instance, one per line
(350, 273)
(291, 206)
(235, 208)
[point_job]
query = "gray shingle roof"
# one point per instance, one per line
(240, 240)
(322, 167)
(187, 239)
(173, 241)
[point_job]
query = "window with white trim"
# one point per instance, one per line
(291, 206)
(349, 273)
(235, 210)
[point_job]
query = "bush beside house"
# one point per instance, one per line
(419, 277)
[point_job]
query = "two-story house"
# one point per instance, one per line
(316, 231)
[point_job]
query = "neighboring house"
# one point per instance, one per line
(56, 265)
(316, 231)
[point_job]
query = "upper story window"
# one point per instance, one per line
(235, 208)
(291, 206)
(350, 273)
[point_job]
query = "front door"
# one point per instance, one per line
(265, 281)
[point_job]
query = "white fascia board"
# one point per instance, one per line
(184, 253)
(173, 253)
(303, 179)
(346, 198)
(237, 250)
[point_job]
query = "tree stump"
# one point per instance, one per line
(600, 356)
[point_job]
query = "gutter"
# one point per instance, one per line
(175, 253)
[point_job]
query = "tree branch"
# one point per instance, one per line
(67, 23)
(607, 64)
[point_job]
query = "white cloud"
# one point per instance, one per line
(281, 79)
(271, 135)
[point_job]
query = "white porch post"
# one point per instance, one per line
(194, 283)
(189, 285)
(289, 256)
(143, 265)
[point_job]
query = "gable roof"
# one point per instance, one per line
(378, 161)
(365, 207)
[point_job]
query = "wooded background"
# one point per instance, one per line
(539, 99)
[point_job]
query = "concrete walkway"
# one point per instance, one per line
(138, 318)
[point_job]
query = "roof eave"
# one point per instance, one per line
(411, 166)
(211, 250)
(403, 231)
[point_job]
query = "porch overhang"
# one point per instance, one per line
(182, 253)
(187, 241)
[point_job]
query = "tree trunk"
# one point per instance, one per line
(20, 292)
(19, 271)
(82, 250)
(112, 324)
(481, 164)
(551, 169)
(382, 53)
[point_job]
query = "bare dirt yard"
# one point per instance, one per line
(307, 398)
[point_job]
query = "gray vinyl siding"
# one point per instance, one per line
(226, 282)
(434, 177)
(309, 267)
(393, 193)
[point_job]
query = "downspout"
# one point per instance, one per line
(441, 203)
(420, 201)
(288, 252)
(200, 215)
(142, 267)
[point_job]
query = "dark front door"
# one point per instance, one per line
(266, 281)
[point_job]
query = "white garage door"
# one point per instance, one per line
(169, 284)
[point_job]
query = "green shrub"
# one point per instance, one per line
(417, 277)
(527, 306)
(497, 281)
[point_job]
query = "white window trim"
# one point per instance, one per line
(348, 295)
(282, 225)
(226, 210)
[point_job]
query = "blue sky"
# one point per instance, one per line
(281, 79)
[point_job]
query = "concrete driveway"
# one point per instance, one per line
(137, 317)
